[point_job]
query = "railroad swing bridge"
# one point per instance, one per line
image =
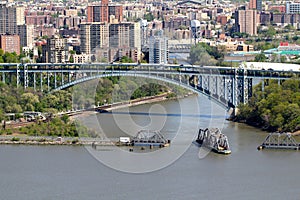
(212, 137)
(149, 138)
(226, 86)
(279, 140)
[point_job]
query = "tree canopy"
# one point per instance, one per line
(203, 54)
(6, 57)
(276, 108)
(260, 58)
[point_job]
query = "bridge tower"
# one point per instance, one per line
(243, 90)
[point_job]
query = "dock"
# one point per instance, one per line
(277, 140)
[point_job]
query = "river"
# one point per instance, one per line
(69, 172)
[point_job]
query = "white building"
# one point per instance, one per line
(56, 50)
(271, 66)
(158, 49)
(292, 7)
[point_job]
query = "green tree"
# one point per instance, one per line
(260, 58)
(1, 115)
(271, 32)
(126, 59)
(71, 60)
(283, 59)
(200, 56)
(10, 57)
(28, 101)
(149, 17)
(275, 108)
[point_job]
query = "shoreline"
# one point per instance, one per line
(295, 133)
(20, 139)
(58, 141)
(135, 102)
(141, 101)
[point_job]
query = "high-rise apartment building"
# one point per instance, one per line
(26, 33)
(117, 11)
(22, 32)
(104, 16)
(158, 49)
(259, 5)
(102, 12)
(111, 41)
(252, 4)
(255, 4)
(92, 36)
(126, 35)
(20, 15)
(10, 43)
(55, 51)
(246, 21)
(8, 20)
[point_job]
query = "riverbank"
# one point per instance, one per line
(16, 133)
(255, 125)
(44, 140)
(144, 100)
(120, 105)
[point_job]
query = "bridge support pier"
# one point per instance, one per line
(34, 81)
(3, 77)
(41, 81)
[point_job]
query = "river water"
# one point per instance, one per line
(66, 172)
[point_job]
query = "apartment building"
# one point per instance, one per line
(55, 51)
(10, 43)
(8, 19)
(158, 49)
(246, 21)
(92, 36)
(102, 12)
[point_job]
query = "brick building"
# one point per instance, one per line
(102, 12)
(10, 43)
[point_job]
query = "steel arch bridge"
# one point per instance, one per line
(226, 86)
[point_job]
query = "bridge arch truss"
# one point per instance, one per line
(226, 86)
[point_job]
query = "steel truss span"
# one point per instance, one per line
(226, 86)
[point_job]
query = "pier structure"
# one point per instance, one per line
(277, 140)
(213, 137)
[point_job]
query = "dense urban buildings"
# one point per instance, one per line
(105, 31)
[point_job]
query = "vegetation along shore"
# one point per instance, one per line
(274, 108)
(109, 90)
